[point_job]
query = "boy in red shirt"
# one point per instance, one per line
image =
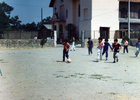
(66, 49)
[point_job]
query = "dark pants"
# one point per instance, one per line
(125, 48)
(89, 50)
(65, 53)
(105, 51)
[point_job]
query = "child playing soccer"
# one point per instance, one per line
(66, 49)
(90, 45)
(73, 44)
(105, 50)
(137, 47)
(116, 49)
(100, 49)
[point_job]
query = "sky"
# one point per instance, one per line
(29, 11)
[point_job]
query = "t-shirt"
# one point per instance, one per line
(101, 47)
(116, 47)
(125, 43)
(90, 43)
(138, 44)
(106, 46)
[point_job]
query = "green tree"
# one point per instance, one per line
(47, 20)
(15, 23)
(5, 11)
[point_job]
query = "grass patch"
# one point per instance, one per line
(112, 93)
(130, 82)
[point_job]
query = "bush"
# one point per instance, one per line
(43, 41)
(123, 39)
(78, 42)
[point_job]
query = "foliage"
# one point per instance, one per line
(43, 41)
(5, 11)
(78, 42)
(123, 39)
(15, 23)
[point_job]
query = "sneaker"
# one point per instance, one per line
(117, 60)
(106, 59)
(113, 61)
(97, 60)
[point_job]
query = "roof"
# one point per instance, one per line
(51, 3)
(131, 0)
(48, 26)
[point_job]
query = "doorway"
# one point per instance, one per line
(104, 32)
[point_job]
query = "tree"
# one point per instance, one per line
(5, 11)
(71, 30)
(47, 20)
(15, 23)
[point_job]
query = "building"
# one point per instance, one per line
(95, 17)
(45, 31)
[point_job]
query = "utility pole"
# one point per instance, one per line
(129, 19)
(41, 15)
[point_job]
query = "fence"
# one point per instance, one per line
(20, 35)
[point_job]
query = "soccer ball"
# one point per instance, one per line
(69, 61)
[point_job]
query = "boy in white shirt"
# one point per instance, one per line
(125, 46)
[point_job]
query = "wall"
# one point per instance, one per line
(105, 14)
(133, 42)
(95, 41)
(20, 35)
(24, 43)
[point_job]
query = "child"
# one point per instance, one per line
(100, 49)
(125, 46)
(116, 49)
(137, 47)
(73, 44)
(105, 50)
(66, 49)
(90, 45)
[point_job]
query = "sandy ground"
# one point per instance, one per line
(40, 74)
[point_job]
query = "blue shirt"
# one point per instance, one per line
(106, 46)
(138, 44)
(90, 44)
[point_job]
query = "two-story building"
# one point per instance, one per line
(94, 17)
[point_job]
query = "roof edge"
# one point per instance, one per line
(51, 3)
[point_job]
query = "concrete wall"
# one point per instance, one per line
(133, 42)
(20, 35)
(24, 43)
(96, 43)
(105, 14)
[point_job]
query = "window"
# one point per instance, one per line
(55, 27)
(66, 13)
(79, 10)
(85, 13)
(61, 1)
(123, 13)
(62, 13)
(139, 14)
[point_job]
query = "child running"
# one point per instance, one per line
(73, 44)
(100, 49)
(116, 49)
(105, 50)
(90, 45)
(137, 47)
(125, 46)
(66, 49)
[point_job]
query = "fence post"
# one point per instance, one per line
(83, 40)
(55, 38)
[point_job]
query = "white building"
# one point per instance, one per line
(95, 17)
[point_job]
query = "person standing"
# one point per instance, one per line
(66, 49)
(35, 37)
(100, 49)
(73, 44)
(105, 50)
(90, 45)
(116, 49)
(137, 47)
(125, 46)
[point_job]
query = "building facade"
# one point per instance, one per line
(95, 17)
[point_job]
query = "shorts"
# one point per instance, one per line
(115, 55)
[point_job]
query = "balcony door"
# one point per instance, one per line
(62, 13)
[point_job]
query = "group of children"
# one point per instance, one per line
(102, 48)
